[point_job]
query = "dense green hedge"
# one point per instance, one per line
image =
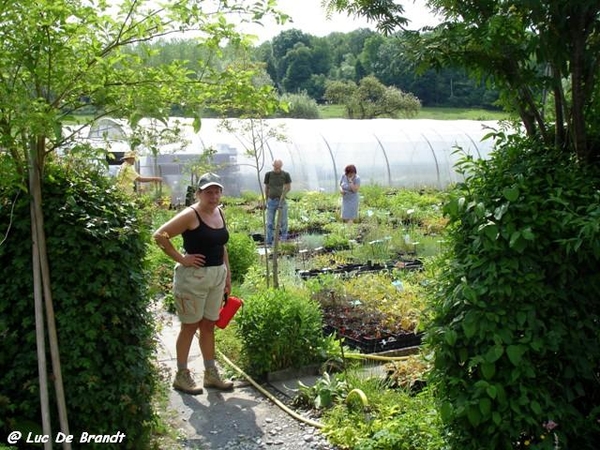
(516, 334)
(96, 245)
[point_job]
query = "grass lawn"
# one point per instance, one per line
(461, 114)
(338, 111)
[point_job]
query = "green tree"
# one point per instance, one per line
(515, 331)
(280, 46)
(541, 55)
(59, 56)
(370, 99)
(370, 53)
(321, 56)
(298, 62)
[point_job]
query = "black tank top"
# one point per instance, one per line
(207, 241)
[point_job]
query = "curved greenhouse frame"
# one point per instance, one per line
(387, 152)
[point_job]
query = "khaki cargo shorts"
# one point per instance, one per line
(198, 292)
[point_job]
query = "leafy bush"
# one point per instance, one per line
(241, 249)
(96, 244)
(301, 106)
(336, 242)
(160, 265)
(280, 330)
(515, 334)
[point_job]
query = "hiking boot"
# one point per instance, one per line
(213, 379)
(185, 383)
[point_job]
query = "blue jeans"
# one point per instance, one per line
(272, 206)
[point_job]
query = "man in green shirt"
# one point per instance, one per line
(277, 184)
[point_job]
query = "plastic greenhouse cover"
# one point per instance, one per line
(410, 153)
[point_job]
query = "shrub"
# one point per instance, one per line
(96, 244)
(241, 249)
(280, 330)
(301, 106)
(160, 265)
(515, 334)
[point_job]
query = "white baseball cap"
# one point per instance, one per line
(209, 179)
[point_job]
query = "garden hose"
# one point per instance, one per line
(269, 395)
(375, 357)
(361, 396)
(354, 392)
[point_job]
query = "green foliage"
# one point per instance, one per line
(326, 391)
(335, 241)
(96, 242)
(228, 342)
(514, 43)
(413, 425)
(370, 99)
(515, 334)
(107, 67)
(395, 420)
(160, 265)
(301, 106)
(280, 330)
(242, 255)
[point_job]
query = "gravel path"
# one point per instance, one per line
(244, 419)
(241, 420)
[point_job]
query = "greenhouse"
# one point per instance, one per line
(387, 152)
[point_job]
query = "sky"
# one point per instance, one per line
(309, 17)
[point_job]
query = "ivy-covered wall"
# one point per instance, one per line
(96, 242)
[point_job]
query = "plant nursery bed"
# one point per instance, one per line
(357, 269)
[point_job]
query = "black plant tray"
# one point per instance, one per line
(376, 345)
(347, 269)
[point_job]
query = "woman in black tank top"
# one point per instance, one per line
(206, 241)
(201, 279)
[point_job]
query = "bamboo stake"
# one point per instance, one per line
(39, 334)
(40, 237)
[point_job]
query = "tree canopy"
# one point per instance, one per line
(541, 55)
(370, 99)
(58, 57)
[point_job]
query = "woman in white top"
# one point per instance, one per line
(349, 186)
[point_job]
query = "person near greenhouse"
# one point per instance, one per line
(278, 183)
(349, 186)
(128, 176)
(201, 279)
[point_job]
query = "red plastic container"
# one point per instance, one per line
(228, 310)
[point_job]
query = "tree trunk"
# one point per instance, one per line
(579, 98)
